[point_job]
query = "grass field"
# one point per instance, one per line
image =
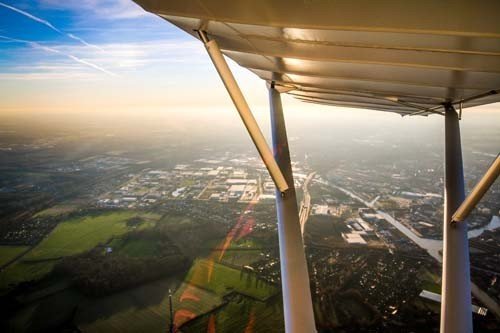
(222, 279)
(71, 237)
(176, 220)
(83, 233)
(240, 258)
(139, 248)
(144, 309)
(242, 315)
(57, 210)
(7, 253)
(430, 281)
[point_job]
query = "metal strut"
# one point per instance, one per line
(243, 109)
(478, 191)
(456, 306)
(297, 301)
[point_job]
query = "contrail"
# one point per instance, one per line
(84, 42)
(52, 50)
(34, 18)
(50, 25)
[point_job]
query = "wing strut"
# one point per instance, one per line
(456, 306)
(478, 191)
(243, 109)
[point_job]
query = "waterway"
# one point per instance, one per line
(434, 246)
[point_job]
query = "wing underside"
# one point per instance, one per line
(379, 55)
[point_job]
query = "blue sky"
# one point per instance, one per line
(101, 54)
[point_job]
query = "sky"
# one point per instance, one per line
(98, 55)
(112, 56)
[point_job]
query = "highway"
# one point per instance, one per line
(305, 205)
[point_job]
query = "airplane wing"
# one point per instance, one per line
(397, 56)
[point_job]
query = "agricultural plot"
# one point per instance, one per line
(57, 210)
(7, 253)
(176, 220)
(145, 309)
(222, 280)
(139, 248)
(70, 237)
(240, 257)
(241, 315)
(83, 233)
(24, 271)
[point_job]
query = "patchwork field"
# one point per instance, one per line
(57, 210)
(210, 290)
(222, 279)
(70, 237)
(240, 257)
(241, 315)
(7, 253)
(145, 309)
(83, 233)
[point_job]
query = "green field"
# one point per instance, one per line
(144, 309)
(139, 248)
(70, 237)
(222, 279)
(83, 233)
(177, 220)
(57, 210)
(7, 253)
(239, 257)
(242, 315)
(430, 281)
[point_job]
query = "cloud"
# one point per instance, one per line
(53, 50)
(151, 58)
(48, 24)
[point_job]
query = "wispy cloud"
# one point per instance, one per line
(53, 50)
(48, 24)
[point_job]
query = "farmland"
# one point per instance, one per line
(222, 279)
(70, 237)
(216, 283)
(242, 315)
(7, 253)
(83, 233)
(146, 308)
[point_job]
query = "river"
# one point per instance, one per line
(434, 246)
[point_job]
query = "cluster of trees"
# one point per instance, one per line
(97, 274)
(134, 221)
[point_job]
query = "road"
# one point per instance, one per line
(305, 205)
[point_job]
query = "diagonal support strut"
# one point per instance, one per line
(244, 110)
(478, 191)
